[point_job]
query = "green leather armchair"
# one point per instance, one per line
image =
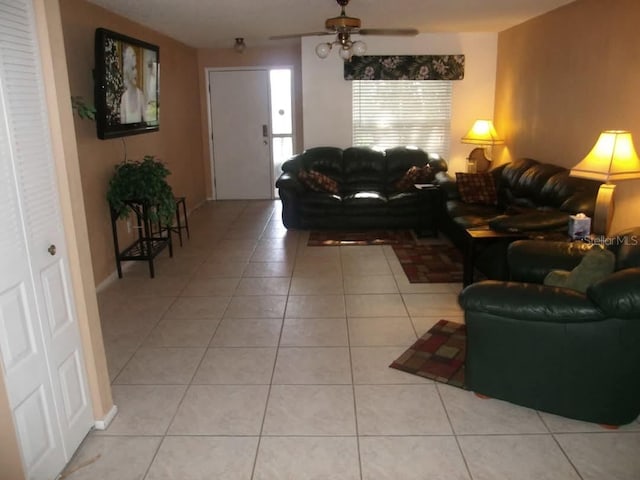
(558, 350)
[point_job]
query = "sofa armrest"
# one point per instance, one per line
(448, 186)
(529, 302)
(580, 202)
(438, 164)
(290, 182)
(532, 260)
(618, 295)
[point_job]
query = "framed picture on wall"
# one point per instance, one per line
(127, 85)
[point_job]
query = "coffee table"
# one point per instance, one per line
(477, 236)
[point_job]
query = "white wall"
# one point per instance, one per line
(327, 96)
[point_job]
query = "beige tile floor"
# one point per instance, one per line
(253, 356)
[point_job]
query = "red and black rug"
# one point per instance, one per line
(330, 238)
(430, 263)
(439, 354)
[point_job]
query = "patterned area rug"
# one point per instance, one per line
(439, 354)
(319, 238)
(430, 263)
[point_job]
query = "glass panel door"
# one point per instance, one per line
(281, 118)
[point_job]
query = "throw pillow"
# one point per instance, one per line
(414, 175)
(596, 265)
(318, 182)
(477, 188)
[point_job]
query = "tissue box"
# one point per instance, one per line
(579, 226)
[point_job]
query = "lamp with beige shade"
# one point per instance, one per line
(482, 133)
(612, 158)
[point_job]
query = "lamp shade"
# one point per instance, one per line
(483, 133)
(612, 158)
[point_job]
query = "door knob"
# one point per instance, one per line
(52, 249)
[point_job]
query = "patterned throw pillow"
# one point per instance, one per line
(477, 188)
(414, 175)
(318, 182)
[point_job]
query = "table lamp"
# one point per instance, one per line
(612, 158)
(482, 133)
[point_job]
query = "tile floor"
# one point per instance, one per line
(253, 356)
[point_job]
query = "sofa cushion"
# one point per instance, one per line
(403, 199)
(364, 169)
(364, 199)
(477, 188)
(318, 182)
(321, 199)
(532, 221)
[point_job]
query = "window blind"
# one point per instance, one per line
(391, 113)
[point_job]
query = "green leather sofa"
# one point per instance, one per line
(558, 350)
(367, 197)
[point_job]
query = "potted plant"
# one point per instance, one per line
(143, 182)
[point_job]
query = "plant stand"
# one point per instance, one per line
(180, 216)
(149, 243)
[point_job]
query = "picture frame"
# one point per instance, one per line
(127, 85)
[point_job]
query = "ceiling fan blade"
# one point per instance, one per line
(400, 32)
(297, 35)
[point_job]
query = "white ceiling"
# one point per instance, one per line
(215, 23)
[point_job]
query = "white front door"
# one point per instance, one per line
(40, 346)
(241, 134)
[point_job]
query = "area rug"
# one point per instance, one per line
(430, 263)
(319, 238)
(439, 354)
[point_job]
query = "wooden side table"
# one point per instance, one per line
(474, 238)
(433, 197)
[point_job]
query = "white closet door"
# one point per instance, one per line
(40, 343)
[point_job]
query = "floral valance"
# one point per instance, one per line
(405, 67)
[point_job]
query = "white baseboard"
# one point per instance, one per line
(108, 418)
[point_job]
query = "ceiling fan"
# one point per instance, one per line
(343, 27)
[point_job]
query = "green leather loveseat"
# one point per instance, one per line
(367, 195)
(554, 349)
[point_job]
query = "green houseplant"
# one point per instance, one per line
(142, 182)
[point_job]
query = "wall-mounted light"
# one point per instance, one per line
(240, 46)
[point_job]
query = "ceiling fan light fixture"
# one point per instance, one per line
(345, 53)
(323, 49)
(343, 27)
(239, 46)
(359, 47)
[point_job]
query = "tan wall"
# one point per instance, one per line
(564, 77)
(63, 142)
(252, 57)
(178, 142)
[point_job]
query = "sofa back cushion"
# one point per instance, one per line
(326, 160)
(364, 169)
(401, 159)
(530, 184)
